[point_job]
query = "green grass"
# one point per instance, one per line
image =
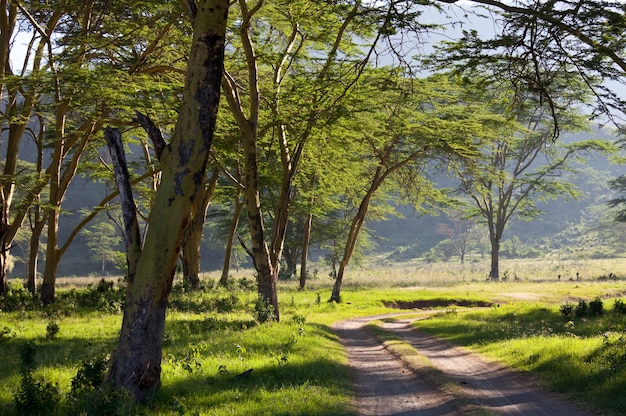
(299, 367)
(584, 359)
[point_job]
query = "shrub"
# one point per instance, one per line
(264, 310)
(619, 306)
(611, 356)
(103, 401)
(52, 330)
(17, 298)
(596, 307)
(567, 310)
(34, 396)
(582, 309)
(90, 375)
(6, 334)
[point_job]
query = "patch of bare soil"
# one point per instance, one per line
(385, 386)
(436, 303)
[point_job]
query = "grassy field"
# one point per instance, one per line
(298, 366)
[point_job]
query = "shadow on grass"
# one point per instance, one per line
(210, 323)
(296, 385)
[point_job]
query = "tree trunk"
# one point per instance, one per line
(4, 271)
(239, 203)
(33, 252)
(291, 260)
(305, 250)
(336, 294)
(192, 242)
(355, 229)
(494, 274)
(52, 261)
(136, 362)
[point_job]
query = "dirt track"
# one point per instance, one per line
(386, 387)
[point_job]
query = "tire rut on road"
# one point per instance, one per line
(384, 386)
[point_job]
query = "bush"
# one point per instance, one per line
(34, 396)
(582, 309)
(619, 307)
(52, 330)
(6, 334)
(17, 298)
(264, 310)
(567, 310)
(103, 401)
(226, 304)
(103, 298)
(596, 307)
(90, 375)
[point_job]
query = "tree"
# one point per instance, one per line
(67, 88)
(587, 36)
(103, 241)
(295, 36)
(190, 255)
(522, 161)
(408, 123)
(19, 95)
(136, 362)
(459, 231)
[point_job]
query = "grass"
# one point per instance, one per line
(298, 366)
(584, 359)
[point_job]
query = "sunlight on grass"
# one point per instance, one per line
(298, 365)
(571, 357)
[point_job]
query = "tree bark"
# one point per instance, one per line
(52, 262)
(3, 271)
(136, 362)
(494, 273)
(33, 255)
(305, 250)
(355, 229)
(192, 242)
(239, 203)
(265, 257)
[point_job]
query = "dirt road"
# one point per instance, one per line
(386, 387)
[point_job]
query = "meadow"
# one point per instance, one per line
(53, 358)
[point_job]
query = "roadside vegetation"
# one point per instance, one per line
(55, 357)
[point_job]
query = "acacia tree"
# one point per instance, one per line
(103, 241)
(19, 94)
(588, 36)
(460, 231)
(76, 81)
(136, 362)
(524, 161)
(302, 92)
(409, 124)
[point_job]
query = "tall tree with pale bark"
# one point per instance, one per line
(136, 362)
